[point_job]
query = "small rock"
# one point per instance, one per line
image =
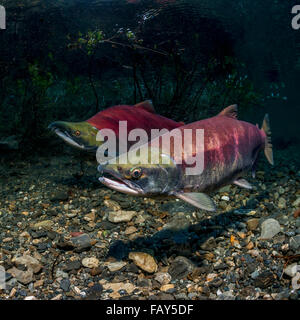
(252, 224)
(295, 242)
(296, 281)
(167, 287)
(24, 277)
(296, 203)
(250, 246)
(130, 230)
(144, 261)
(38, 283)
(121, 216)
(90, 217)
(91, 262)
(178, 222)
(30, 298)
(94, 292)
(269, 228)
(65, 284)
(112, 205)
(115, 287)
(247, 212)
(60, 195)
(264, 280)
(29, 262)
(115, 266)
(106, 225)
(163, 277)
(291, 270)
(61, 274)
(46, 224)
(225, 198)
(209, 244)
(82, 242)
(72, 265)
(180, 267)
(281, 203)
(211, 276)
(96, 271)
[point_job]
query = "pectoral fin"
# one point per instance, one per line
(243, 183)
(199, 200)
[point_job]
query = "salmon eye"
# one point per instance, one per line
(136, 173)
(77, 133)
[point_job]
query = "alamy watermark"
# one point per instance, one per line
(296, 18)
(162, 147)
(2, 17)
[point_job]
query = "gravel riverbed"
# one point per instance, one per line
(65, 236)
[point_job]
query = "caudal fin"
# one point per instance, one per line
(268, 145)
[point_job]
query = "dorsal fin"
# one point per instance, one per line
(230, 111)
(146, 105)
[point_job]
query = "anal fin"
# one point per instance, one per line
(243, 183)
(199, 200)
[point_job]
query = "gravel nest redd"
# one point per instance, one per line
(65, 236)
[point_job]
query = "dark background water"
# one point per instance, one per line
(66, 60)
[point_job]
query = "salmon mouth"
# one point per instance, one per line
(116, 182)
(60, 131)
(67, 138)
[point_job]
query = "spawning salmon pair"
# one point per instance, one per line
(230, 150)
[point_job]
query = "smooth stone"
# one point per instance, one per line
(264, 280)
(167, 287)
(252, 224)
(72, 265)
(163, 277)
(115, 266)
(60, 195)
(121, 216)
(178, 222)
(291, 270)
(29, 262)
(91, 262)
(225, 198)
(144, 261)
(61, 274)
(30, 298)
(46, 224)
(82, 242)
(269, 229)
(295, 242)
(281, 203)
(115, 287)
(181, 267)
(209, 244)
(130, 230)
(296, 203)
(65, 284)
(25, 277)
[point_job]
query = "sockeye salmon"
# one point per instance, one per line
(230, 149)
(83, 134)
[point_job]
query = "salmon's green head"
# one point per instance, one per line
(81, 135)
(147, 172)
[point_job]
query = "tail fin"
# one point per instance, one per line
(268, 145)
